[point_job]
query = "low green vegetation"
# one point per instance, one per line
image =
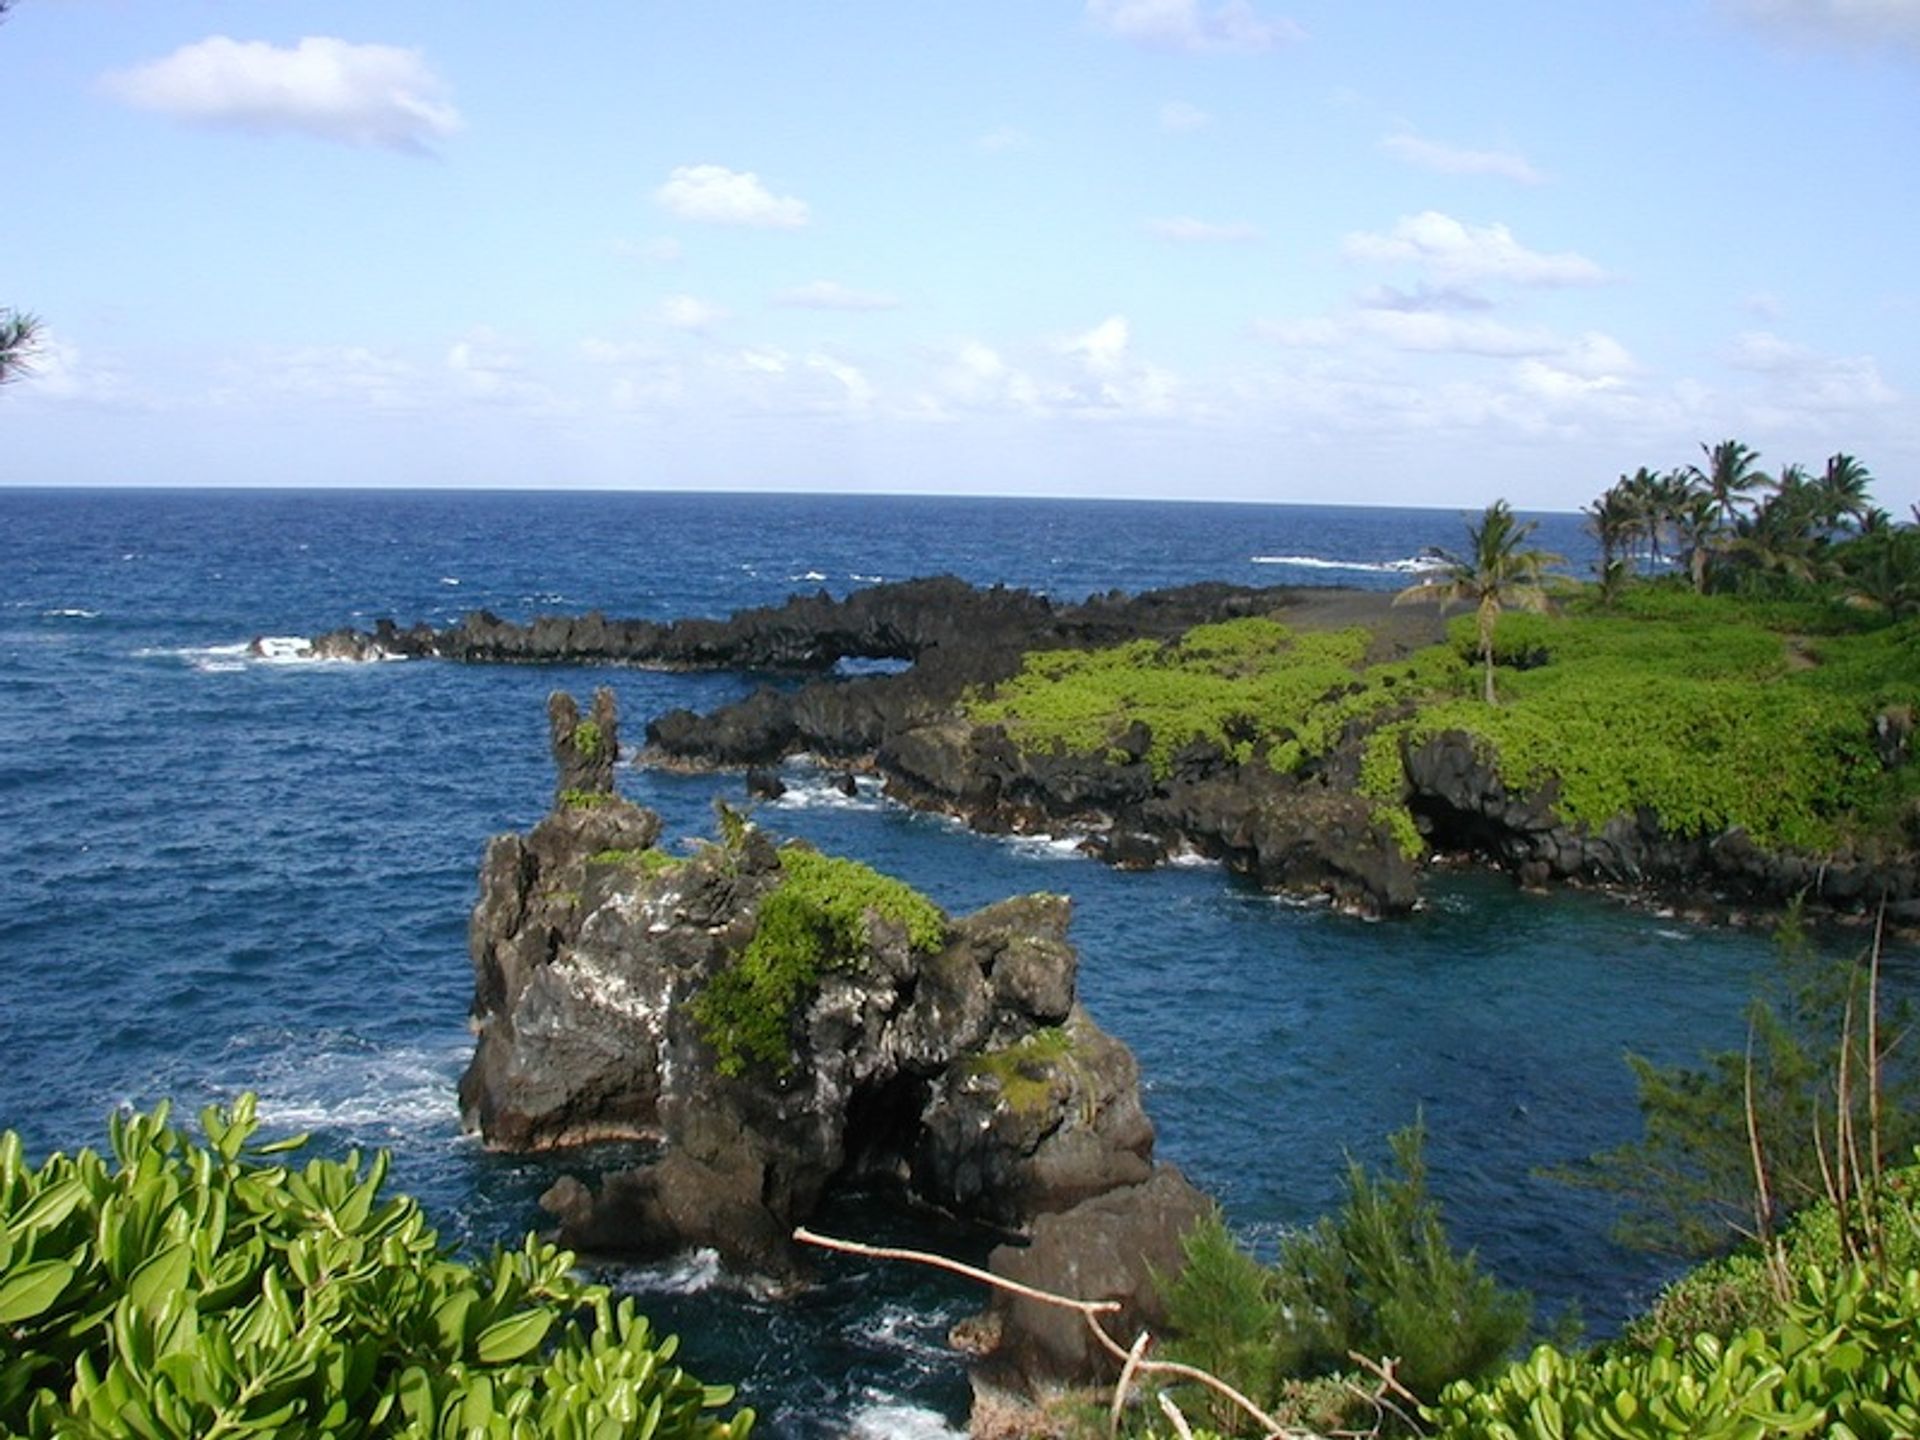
(587, 738)
(650, 861)
(1707, 711)
(184, 1289)
(814, 922)
(1378, 1278)
(585, 799)
(1025, 1070)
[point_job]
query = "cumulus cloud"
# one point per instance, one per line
(1458, 253)
(1233, 25)
(327, 88)
(1186, 230)
(1807, 381)
(832, 295)
(715, 195)
(1453, 160)
(1181, 117)
(1866, 24)
(1424, 297)
(1114, 382)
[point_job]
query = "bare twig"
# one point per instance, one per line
(1389, 1385)
(1090, 1311)
(1174, 1417)
(1125, 1382)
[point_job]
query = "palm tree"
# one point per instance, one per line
(1699, 536)
(1844, 488)
(1614, 521)
(1732, 471)
(1494, 573)
(19, 342)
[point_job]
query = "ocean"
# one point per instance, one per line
(229, 874)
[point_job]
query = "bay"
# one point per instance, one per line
(227, 874)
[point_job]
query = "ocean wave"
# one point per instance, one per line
(814, 790)
(1413, 565)
(449, 579)
(690, 1273)
(70, 612)
(1047, 847)
(866, 579)
(917, 1334)
(274, 650)
(813, 577)
(1187, 859)
(886, 1418)
(338, 1081)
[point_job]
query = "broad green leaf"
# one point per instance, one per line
(161, 1277)
(509, 1339)
(32, 1290)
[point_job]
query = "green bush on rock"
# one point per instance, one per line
(813, 922)
(199, 1290)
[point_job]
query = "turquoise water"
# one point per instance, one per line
(224, 874)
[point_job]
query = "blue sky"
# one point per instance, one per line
(1209, 249)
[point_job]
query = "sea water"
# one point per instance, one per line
(232, 871)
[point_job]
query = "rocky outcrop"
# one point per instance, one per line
(1463, 804)
(955, 1068)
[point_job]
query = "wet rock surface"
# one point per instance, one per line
(965, 1077)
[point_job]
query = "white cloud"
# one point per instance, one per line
(859, 392)
(1440, 333)
(689, 313)
(1187, 25)
(1115, 383)
(1805, 381)
(1186, 230)
(832, 295)
(323, 87)
(1181, 117)
(483, 367)
(1869, 24)
(1424, 297)
(1460, 253)
(716, 195)
(1452, 160)
(58, 370)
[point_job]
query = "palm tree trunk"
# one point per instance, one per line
(1487, 617)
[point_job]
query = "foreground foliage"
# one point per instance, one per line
(1825, 1071)
(1379, 1278)
(212, 1289)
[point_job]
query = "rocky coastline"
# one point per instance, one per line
(954, 1069)
(1311, 832)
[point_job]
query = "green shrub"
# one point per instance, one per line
(1379, 1278)
(1842, 1362)
(214, 1290)
(813, 922)
(587, 738)
(585, 799)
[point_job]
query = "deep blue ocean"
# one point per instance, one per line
(223, 874)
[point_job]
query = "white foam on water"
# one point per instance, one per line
(338, 1082)
(813, 576)
(866, 579)
(1673, 934)
(70, 613)
(449, 580)
(1413, 565)
(913, 1333)
(1047, 847)
(689, 1273)
(812, 790)
(1186, 859)
(883, 1417)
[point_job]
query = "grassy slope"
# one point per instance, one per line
(1712, 712)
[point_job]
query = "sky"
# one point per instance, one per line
(1388, 254)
